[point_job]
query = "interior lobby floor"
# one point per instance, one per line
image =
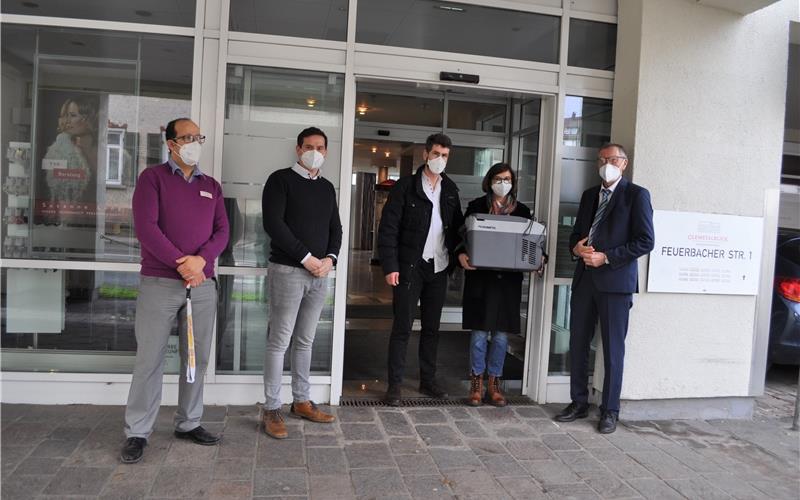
(365, 354)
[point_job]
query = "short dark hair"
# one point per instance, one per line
(308, 133)
(619, 147)
(440, 139)
(169, 133)
(499, 168)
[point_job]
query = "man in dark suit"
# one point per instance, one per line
(613, 229)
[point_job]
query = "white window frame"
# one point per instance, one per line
(117, 149)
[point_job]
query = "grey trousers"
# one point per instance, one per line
(296, 299)
(162, 302)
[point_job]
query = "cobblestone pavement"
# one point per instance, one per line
(453, 452)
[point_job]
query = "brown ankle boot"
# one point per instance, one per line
(273, 424)
(475, 390)
(493, 395)
(309, 411)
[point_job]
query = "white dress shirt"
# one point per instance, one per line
(434, 243)
(610, 188)
(600, 195)
(304, 172)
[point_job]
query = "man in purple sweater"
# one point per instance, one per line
(182, 227)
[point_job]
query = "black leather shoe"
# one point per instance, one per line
(607, 423)
(133, 450)
(393, 395)
(572, 412)
(432, 389)
(199, 436)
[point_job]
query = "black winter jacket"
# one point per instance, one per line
(406, 218)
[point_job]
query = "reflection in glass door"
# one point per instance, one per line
(265, 109)
(587, 125)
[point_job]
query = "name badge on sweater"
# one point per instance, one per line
(206, 194)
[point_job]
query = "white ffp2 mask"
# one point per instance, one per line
(437, 165)
(190, 153)
(312, 159)
(501, 189)
(609, 172)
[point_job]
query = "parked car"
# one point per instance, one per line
(784, 332)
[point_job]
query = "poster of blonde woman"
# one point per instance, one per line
(68, 179)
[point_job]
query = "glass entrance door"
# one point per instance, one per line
(392, 122)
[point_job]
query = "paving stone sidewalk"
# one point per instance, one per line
(453, 452)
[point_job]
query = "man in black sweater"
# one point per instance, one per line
(417, 239)
(302, 219)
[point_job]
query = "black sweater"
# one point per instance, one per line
(300, 216)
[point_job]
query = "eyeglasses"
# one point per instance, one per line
(501, 181)
(191, 138)
(610, 159)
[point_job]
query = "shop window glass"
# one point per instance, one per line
(577, 175)
(78, 108)
(587, 126)
(559, 334)
(398, 109)
(480, 116)
(528, 150)
(265, 110)
(466, 167)
(173, 13)
(530, 114)
(790, 170)
(459, 28)
(321, 19)
(592, 44)
(71, 321)
(242, 320)
(587, 121)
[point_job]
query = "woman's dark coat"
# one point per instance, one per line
(492, 299)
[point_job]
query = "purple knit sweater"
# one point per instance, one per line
(173, 218)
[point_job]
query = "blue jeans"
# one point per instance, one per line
(497, 352)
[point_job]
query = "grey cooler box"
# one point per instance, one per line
(504, 242)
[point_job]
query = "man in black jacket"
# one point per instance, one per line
(417, 238)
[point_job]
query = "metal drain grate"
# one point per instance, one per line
(417, 402)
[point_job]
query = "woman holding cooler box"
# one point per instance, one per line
(491, 300)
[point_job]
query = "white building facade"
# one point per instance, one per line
(696, 90)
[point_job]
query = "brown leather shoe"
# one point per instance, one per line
(493, 394)
(475, 390)
(310, 411)
(273, 424)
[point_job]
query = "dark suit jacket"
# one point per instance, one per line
(624, 235)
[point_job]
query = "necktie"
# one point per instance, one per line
(598, 216)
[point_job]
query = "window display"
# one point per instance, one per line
(84, 113)
(17, 188)
(86, 103)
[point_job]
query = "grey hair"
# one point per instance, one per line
(619, 147)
